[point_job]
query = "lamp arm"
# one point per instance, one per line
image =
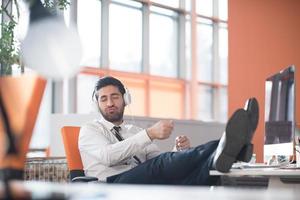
(7, 129)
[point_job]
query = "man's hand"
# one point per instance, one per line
(160, 130)
(182, 142)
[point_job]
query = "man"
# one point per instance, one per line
(117, 152)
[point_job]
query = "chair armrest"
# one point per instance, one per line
(84, 179)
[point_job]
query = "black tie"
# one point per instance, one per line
(116, 131)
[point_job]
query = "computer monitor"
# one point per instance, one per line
(279, 114)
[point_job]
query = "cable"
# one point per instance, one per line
(131, 116)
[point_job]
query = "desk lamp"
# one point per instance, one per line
(20, 98)
(52, 50)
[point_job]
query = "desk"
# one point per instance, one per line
(278, 178)
(102, 191)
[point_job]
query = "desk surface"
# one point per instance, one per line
(259, 172)
(277, 178)
(42, 190)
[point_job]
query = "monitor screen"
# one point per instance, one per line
(279, 113)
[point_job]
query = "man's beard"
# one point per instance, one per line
(116, 117)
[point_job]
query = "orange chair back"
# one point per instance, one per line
(70, 139)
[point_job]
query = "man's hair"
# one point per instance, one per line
(106, 81)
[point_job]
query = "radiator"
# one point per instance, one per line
(46, 169)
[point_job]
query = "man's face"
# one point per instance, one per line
(111, 103)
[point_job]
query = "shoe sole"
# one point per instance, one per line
(252, 108)
(237, 130)
(246, 153)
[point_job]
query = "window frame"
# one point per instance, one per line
(190, 84)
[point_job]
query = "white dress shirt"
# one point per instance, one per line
(103, 155)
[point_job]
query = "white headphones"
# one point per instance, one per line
(126, 97)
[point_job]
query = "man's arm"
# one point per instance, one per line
(98, 143)
(163, 129)
(160, 130)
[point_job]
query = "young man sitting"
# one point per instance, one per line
(118, 152)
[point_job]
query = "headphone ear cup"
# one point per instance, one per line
(94, 98)
(127, 97)
(95, 107)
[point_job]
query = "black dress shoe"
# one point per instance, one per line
(236, 136)
(252, 110)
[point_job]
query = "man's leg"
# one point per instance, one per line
(176, 167)
(200, 175)
(237, 135)
(168, 168)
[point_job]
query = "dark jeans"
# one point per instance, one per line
(189, 167)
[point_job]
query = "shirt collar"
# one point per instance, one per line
(110, 125)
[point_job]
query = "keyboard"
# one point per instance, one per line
(253, 166)
(242, 165)
(290, 166)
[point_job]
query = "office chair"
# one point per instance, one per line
(70, 139)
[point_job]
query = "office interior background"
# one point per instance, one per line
(181, 59)
(148, 45)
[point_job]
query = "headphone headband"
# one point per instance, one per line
(109, 80)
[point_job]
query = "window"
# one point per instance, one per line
(89, 28)
(154, 47)
(205, 50)
(166, 106)
(85, 88)
(149, 45)
(163, 43)
(223, 53)
(204, 7)
(138, 106)
(222, 113)
(125, 37)
(171, 3)
(188, 48)
(212, 56)
(205, 103)
(223, 9)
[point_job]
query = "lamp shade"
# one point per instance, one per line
(52, 49)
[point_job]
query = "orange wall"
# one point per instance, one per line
(264, 37)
